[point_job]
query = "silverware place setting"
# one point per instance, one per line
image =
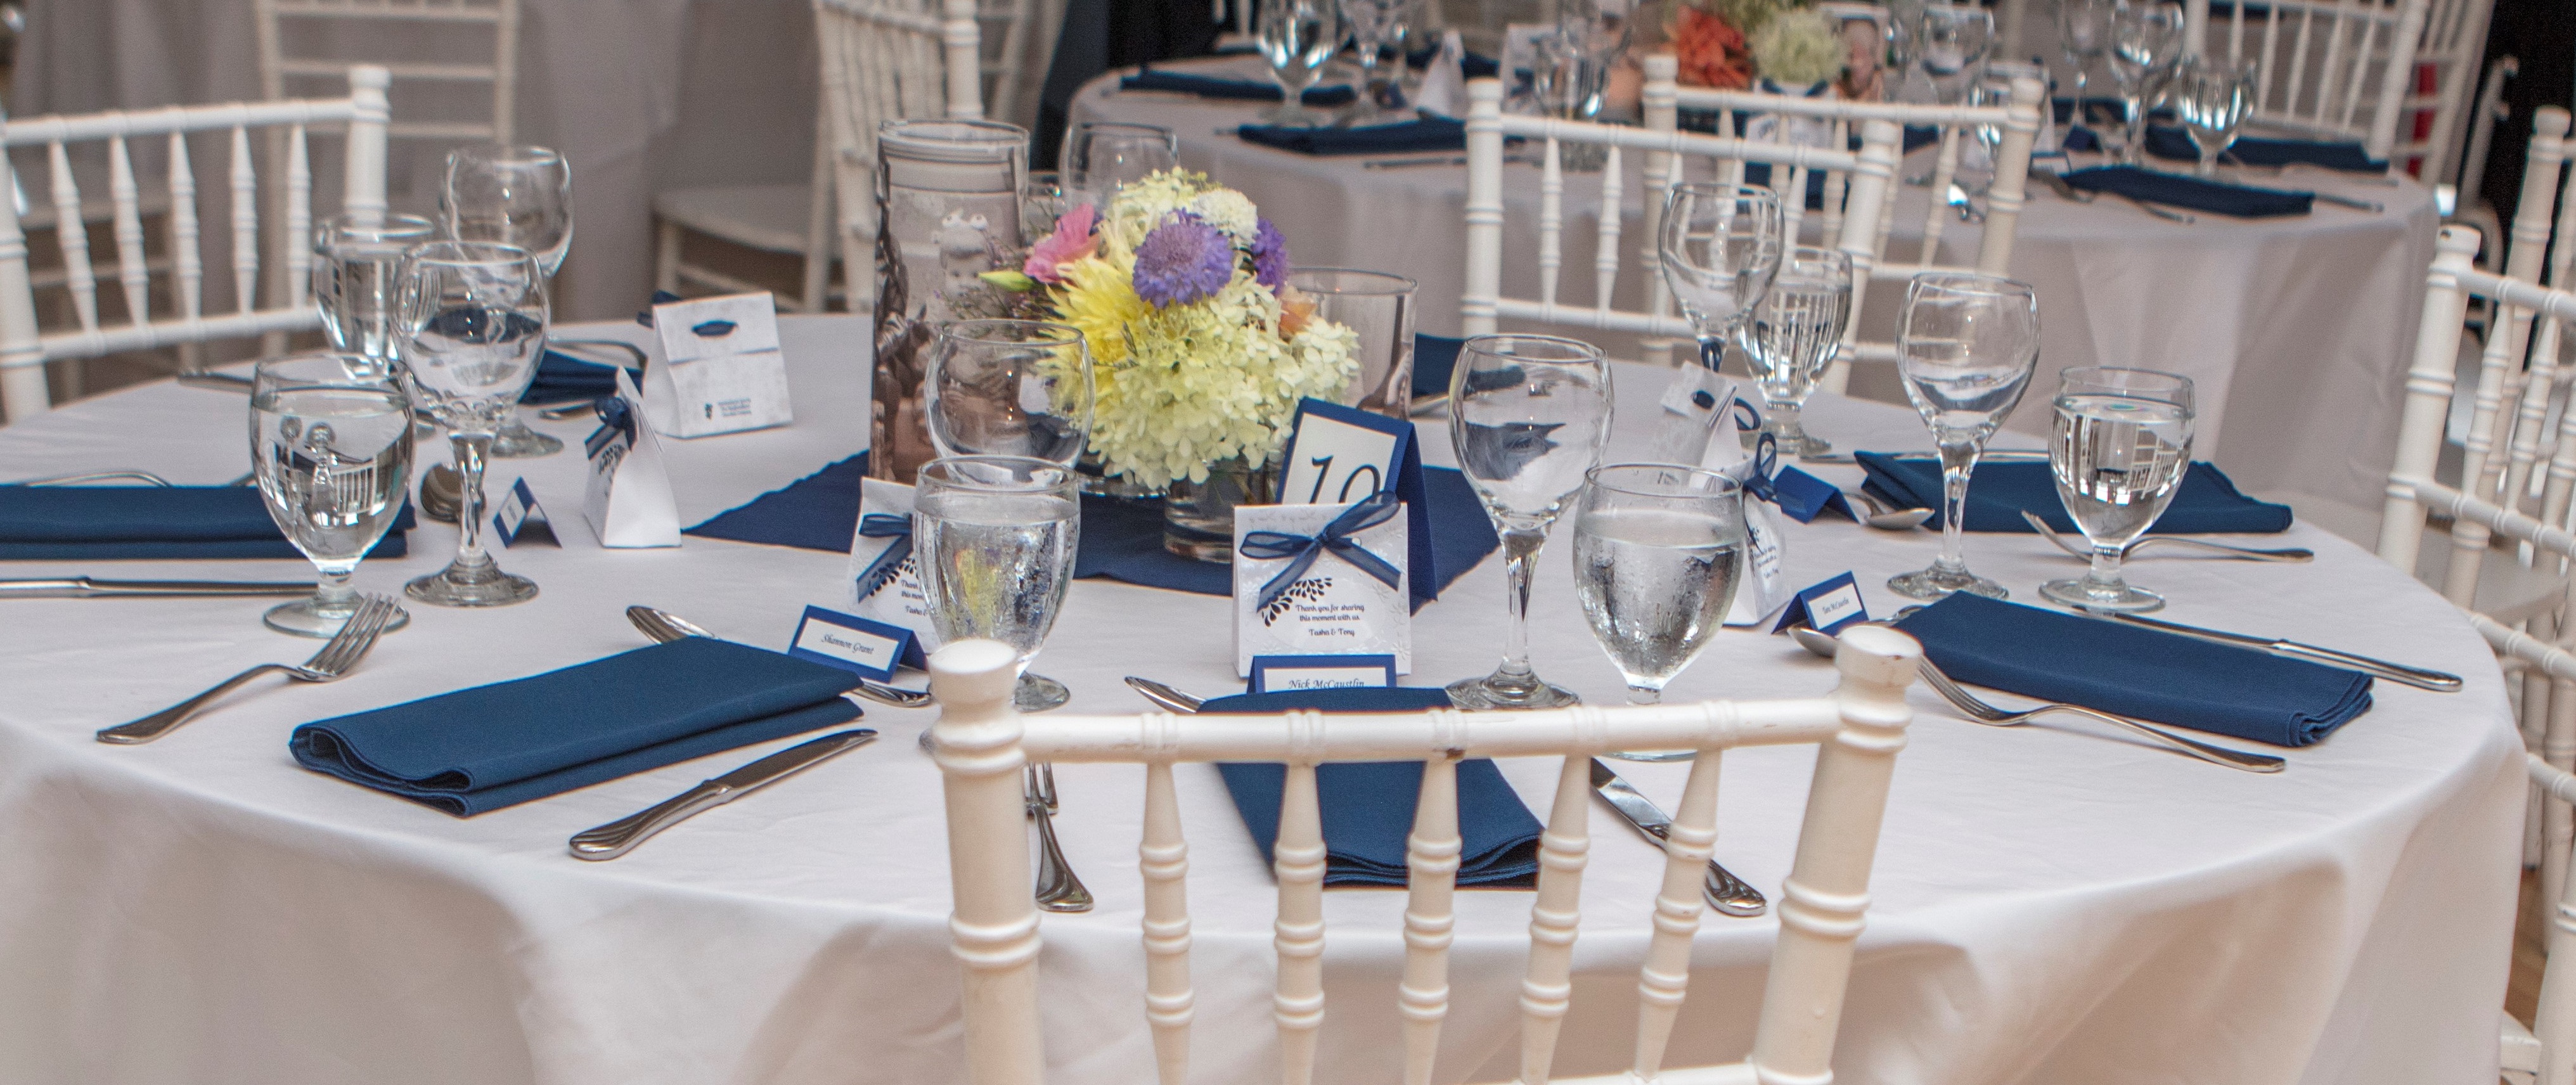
(2143, 542)
(664, 627)
(89, 587)
(338, 655)
(622, 835)
(2418, 677)
(1058, 890)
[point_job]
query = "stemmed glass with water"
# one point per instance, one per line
(1792, 335)
(357, 262)
(1370, 23)
(1720, 249)
(1528, 416)
(1950, 42)
(1658, 551)
(512, 196)
(1965, 346)
(2211, 96)
(2083, 36)
(330, 444)
(473, 318)
(1296, 38)
(994, 540)
(2118, 447)
(2146, 41)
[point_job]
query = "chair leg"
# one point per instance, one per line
(666, 258)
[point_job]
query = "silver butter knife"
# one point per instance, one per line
(84, 587)
(1725, 892)
(2418, 677)
(620, 836)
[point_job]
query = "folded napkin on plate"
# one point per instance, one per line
(149, 523)
(1368, 805)
(2166, 141)
(2132, 671)
(493, 746)
(562, 378)
(2207, 503)
(1218, 86)
(1426, 134)
(2176, 190)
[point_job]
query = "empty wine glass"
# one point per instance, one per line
(2083, 36)
(1100, 156)
(1658, 551)
(473, 316)
(2118, 447)
(1528, 415)
(2211, 95)
(1720, 248)
(1792, 335)
(994, 541)
(1369, 23)
(357, 263)
(330, 444)
(2146, 41)
(1965, 346)
(514, 196)
(1009, 388)
(1950, 42)
(1297, 37)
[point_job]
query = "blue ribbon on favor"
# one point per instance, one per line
(878, 525)
(1301, 550)
(1766, 453)
(614, 417)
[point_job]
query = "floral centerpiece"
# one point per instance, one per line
(1730, 44)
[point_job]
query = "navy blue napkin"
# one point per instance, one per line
(1368, 805)
(1217, 86)
(562, 378)
(817, 512)
(2166, 141)
(1473, 65)
(499, 745)
(1426, 134)
(2207, 503)
(1433, 357)
(2132, 671)
(2064, 109)
(150, 523)
(2176, 190)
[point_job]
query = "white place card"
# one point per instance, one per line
(1764, 584)
(519, 517)
(720, 370)
(890, 592)
(1333, 607)
(628, 500)
(869, 649)
(1694, 407)
(1826, 607)
(1279, 674)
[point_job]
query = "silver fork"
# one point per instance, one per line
(145, 477)
(665, 627)
(333, 662)
(2246, 553)
(1058, 890)
(1985, 713)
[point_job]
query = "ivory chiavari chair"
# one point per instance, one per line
(2338, 69)
(280, 65)
(2545, 1053)
(1858, 729)
(25, 346)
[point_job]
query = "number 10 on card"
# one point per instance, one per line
(1337, 454)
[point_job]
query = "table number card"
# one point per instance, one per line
(1278, 674)
(1322, 580)
(721, 369)
(1337, 454)
(885, 584)
(1826, 607)
(868, 649)
(518, 517)
(628, 500)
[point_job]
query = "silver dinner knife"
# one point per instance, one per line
(2418, 677)
(620, 836)
(1725, 892)
(83, 587)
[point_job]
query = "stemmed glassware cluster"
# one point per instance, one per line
(512, 196)
(2084, 36)
(1719, 250)
(1296, 38)
(2146, 43)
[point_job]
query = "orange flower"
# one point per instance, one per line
(1296, 308)
(1711, 51)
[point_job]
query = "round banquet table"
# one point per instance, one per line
(2051, 903)
(2297, 330)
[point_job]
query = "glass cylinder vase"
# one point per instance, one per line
(948, 210)
(1198, 517)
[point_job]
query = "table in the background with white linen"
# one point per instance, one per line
(2297, 330)
(2050, 904)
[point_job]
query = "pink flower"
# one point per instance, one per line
(1071, 241)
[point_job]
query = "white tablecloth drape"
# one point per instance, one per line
(2050, 903)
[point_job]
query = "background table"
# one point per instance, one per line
(2298, 330)
(2050, 904)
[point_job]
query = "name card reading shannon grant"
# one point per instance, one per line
(1322, 580)
(854, 644)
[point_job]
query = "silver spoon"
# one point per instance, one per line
(664, 627)
(2241, 553)
(442, 493)
(1887, 517)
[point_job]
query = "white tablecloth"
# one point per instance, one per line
(2051, 904)
(2298, 331)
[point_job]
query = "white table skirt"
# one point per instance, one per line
(2051, 904)
(2298, 331)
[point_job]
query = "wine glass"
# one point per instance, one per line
(1379, 307)
(515, 196)
(1720, 248)
(2083, 36)
(1296, 38)
(330, 443)
(2119, 447)
(1528, 415)
(1965, 346)
(1099, 156)
(357, 262)
(2146, 40)
(995, 538)
(1369, 22)
(1792, 335)
(1008, 388)
(1949, 43)
(2212, 96)
(1658, 551)
(473, 319)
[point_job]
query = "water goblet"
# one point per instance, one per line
(357, 263)
(1100, 156)
(1658, 552)
(515, 196)
(1008, 388)
(330, 444)
(1720, 248)
(1297, 37)
(473, 318)
(2118, 448)
(1369, 23)
(1965, 347)
(2212, 96)
(1379, 308)
(1950, 42)
(2146, 41)
(1528, 416)
(995, 538)
(2083, 36)
(1792, 335)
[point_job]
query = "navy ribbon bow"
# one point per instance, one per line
(878, 525)
(615, 417)
(1301, 550)
(1766, 454)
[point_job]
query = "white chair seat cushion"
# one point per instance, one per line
(768, 217)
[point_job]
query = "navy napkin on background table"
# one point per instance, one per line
(492, 746)
(2166, 141)
(562, 378)
(1433, 357)
(1368, 806)
(150, 523)
(2206, 504)
(1218, 86)
(2176, 190)
(1426, 134)
(2132, 671)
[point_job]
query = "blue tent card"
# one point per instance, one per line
(862, 647)
(1335, 451)
(1322, 580)
(1802, 496)
(884, 578)
(1826, 607)
(1279, 674)
(518, 517)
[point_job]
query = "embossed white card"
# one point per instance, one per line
(1332, 607)
(721, 369)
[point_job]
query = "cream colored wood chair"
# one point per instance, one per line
(25, 346)
(2545, 1053)
(1857, 730)
(2338, 69)
(282, 71)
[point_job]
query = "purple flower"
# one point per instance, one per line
(1269, 256)
(1182, 261)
